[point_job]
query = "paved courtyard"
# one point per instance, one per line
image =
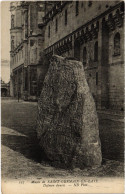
(22, 157)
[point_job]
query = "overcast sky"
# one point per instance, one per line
(5, 39)
(5, 32)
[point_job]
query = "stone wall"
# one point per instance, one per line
(86, 13)
(97, 38)
(27, 44)
(116, 72)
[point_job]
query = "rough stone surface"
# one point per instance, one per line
(67, 123)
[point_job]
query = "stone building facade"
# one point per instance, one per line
(92, 32)
(26, 44)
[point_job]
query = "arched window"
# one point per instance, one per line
(84, 56)
(117, 44)
(96, 51)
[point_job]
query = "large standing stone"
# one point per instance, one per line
(67, 119)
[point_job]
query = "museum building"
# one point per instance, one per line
(90, 31)
(26, 42)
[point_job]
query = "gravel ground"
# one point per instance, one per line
(22, 157)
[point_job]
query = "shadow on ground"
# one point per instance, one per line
(21, 118)
(28, 146)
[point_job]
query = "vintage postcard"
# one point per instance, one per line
(62, 97)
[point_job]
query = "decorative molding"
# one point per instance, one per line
(90, 30)
(56, 9)
(114, 19)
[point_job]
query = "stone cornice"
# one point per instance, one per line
(18, 67)
(89, 30)
(56, 9)
(15, 29)
(35, 35)
(16, 50)
(115, 19)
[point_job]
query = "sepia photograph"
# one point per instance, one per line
(62, 97)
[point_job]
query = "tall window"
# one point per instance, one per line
(12, 21)
(48, 31)
(56, 29)
(12, 45)
(77, 50)
(96, 78)
(19, 55)
(77, 8)
(84, 56)
(96, 51)
(22, 53)
(90, 3)
(117, 44)
(66, 17)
